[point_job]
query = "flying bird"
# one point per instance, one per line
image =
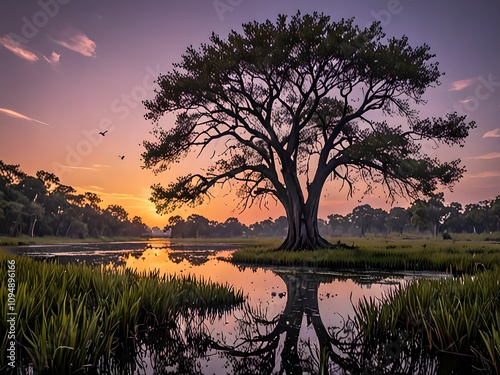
(121, 156)
(103, 133)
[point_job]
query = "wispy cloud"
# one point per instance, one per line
(462, 84)
(53, 59)
(93, 187)
(15, 48)
(11, 113)
(485, 175)
(100, 166)
(77, 167)
(93, 167)
(492, 134)
(491, 155)
(78, 42)
(126, 197)
(114, 196)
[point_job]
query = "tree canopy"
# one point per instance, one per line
(293, 103)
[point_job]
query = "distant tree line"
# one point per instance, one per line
(41, 206)
(423, 216)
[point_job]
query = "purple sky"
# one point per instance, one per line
(69, 69)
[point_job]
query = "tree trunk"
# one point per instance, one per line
(32, 227)
(303, 233)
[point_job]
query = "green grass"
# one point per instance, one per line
(108, 307)
(379, 253)
(495, 236)
(72, 316)
(460, 316)
(50, 240)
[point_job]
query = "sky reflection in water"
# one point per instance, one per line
(285, 324)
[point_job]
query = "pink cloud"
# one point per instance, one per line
(462, 84)
(53, 59)
(18, 115)
(15, 48)
(492, 134)
(484, 175)
(78, 42)
(491, 155)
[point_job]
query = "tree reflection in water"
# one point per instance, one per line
(181, 348)
(295, 341)
(275, 346)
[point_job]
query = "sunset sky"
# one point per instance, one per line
(72, 68)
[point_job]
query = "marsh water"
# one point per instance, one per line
(293, 321)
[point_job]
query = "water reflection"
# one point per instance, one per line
(178, 349)
(297, 341)
(294, 321)
(113, 254)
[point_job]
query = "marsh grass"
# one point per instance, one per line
(384, 254)
(70, 317)
(460, 316)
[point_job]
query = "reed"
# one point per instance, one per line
(449, 315)
(70, 317)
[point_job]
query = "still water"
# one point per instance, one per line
(294, 321)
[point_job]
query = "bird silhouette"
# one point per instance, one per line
(103, 133)
(121, 156)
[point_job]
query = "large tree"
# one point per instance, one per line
(290, 104)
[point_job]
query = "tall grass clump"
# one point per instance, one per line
(72, 317)
(460, 316)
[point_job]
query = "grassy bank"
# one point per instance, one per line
(26, 240)
(70, 317)
(380, 253)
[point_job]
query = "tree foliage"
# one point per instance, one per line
(42, 206)
(289, 105)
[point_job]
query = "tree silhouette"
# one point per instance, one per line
(289, 104)
(397, 219)
(274, 346)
